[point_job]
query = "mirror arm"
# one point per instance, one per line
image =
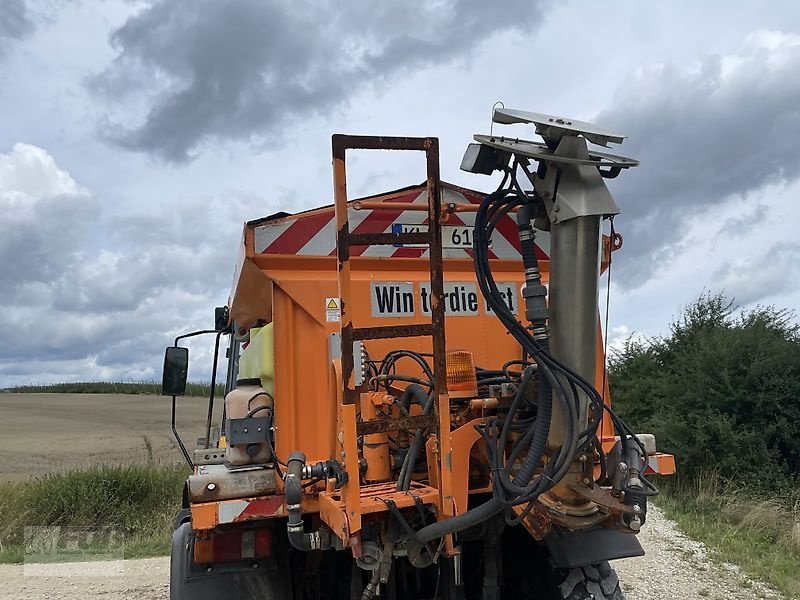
(213, 389)
(194, 333)
(182, 446)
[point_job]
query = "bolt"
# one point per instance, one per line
(635, 524)
(211, 487)
(245, 429)
(587, 481)
(254, 565)
(209, 569)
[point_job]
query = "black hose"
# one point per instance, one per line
(507, 489)
(420, 396)
(556, 383)
(413, 393)
(460, 522)
(295, 528)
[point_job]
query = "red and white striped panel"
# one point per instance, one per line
(314, 233)
(236, 511)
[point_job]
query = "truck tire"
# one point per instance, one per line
(262, 584)
(593, 582)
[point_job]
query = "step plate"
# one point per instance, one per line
(333, 511)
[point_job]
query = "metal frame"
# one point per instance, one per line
(212, 393)
(344, 240)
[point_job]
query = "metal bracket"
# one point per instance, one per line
(573, 190)
(252, 430)
(386, 425)
(359, 356)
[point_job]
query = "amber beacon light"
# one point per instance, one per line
(462, 381)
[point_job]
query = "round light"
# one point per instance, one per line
(462, 381)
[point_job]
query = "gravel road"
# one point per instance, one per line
(674, 568)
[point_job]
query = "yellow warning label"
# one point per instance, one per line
(332, 312)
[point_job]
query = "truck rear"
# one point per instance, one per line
(416, 400)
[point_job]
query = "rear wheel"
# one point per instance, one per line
(192, 582)
(593, 582)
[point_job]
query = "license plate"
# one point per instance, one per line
(453, 236)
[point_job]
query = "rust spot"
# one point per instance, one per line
(343, 244)
(338, 145)
(386, 425)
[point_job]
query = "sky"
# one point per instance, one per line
(137, 135)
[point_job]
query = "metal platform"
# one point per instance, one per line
(372, 499)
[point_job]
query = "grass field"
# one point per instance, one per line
(761, 535)
(139, 502)
(94, 460)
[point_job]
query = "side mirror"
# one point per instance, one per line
(176, 367)
(222, 315)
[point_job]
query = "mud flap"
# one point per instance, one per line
(190, 582)
(570, 550)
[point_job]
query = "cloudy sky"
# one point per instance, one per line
(137, 136)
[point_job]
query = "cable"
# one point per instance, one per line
(557, 382)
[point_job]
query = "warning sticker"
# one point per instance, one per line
(333, 313)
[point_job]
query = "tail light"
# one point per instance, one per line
(462, 382)
(232, 546)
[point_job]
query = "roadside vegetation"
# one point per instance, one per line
(721, 391)
(110, 387)
(139, 502)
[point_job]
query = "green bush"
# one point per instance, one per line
(721, 391)
(142, 501)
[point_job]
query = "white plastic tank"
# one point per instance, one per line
(247, 399)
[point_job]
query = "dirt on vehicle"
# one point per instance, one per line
(52, 433)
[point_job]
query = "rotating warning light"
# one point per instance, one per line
(462, 381)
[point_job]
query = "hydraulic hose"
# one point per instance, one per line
(460, 522)
(509, 490)
(413, 393)
(295, 529)
(416, 392)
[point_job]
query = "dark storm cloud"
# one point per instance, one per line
(725, 127)
(243, 69)
(15, 22)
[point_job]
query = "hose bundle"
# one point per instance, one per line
(514, 482)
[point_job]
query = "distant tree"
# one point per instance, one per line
(720, 391)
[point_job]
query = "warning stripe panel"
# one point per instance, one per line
(234, 511)
(314, 233)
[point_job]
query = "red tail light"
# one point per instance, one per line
(232, 546)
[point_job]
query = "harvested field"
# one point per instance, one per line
(46, 433)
